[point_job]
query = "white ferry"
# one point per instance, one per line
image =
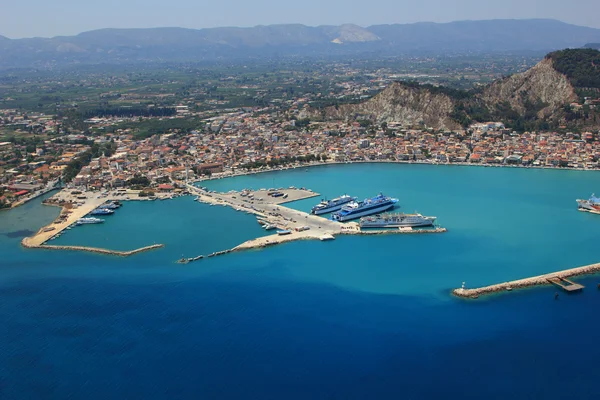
(329, 206)
(375, 205)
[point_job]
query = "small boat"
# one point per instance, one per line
(269, 227)
(102, 211)
(284, 232)
(89, 220)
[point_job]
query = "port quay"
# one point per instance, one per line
(301, 225)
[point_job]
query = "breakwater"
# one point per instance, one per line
(94, 249)
(539, 280)
(272, 240)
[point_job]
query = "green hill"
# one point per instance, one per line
(580, 66)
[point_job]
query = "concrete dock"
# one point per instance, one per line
(72, 215)
(75, 207)
(559, 278)
(303, 226)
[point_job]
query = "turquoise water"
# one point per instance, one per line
(355, 318)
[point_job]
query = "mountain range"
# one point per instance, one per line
(180, 44)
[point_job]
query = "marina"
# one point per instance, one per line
(77, 209)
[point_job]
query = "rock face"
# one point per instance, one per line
(349, 33)
(542, 83)
(401, 103)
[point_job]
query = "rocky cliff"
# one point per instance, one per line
(541, 85)
(409, 104)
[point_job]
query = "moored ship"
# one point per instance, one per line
(592, 204)
(375, 205)
(89, 220)
(102, 211)
(329, 206)
(396, 221)
(111, 205)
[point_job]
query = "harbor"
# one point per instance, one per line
(291, 224)
(347, 216)
(80, 208)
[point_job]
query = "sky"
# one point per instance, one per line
(47, 18)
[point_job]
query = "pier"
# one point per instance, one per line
(559, 279)
(303, 226)
(72, 215)
(566, 285)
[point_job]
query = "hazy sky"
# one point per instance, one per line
(28, 18)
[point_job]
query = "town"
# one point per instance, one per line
(245, 141)
(153, 137)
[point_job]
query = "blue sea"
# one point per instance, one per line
(355, 318)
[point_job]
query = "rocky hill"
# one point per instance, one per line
(410, 104)
(539, 98)
(542, 85)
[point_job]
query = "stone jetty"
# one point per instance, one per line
(527, 282)
(95, 249)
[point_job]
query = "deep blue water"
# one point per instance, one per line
(355, 318)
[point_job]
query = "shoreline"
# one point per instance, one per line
(216, 176)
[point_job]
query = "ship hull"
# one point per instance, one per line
(331, 208)
(586, 205)
(364, 213)
(398, 224)
(328, 209)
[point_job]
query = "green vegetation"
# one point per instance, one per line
(138, 181)
(84, 159)
(581, 66)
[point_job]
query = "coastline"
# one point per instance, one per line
(222, 175)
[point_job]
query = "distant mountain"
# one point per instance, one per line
(538, 98)
(179, 44)
(592, 46)
(492, 35)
